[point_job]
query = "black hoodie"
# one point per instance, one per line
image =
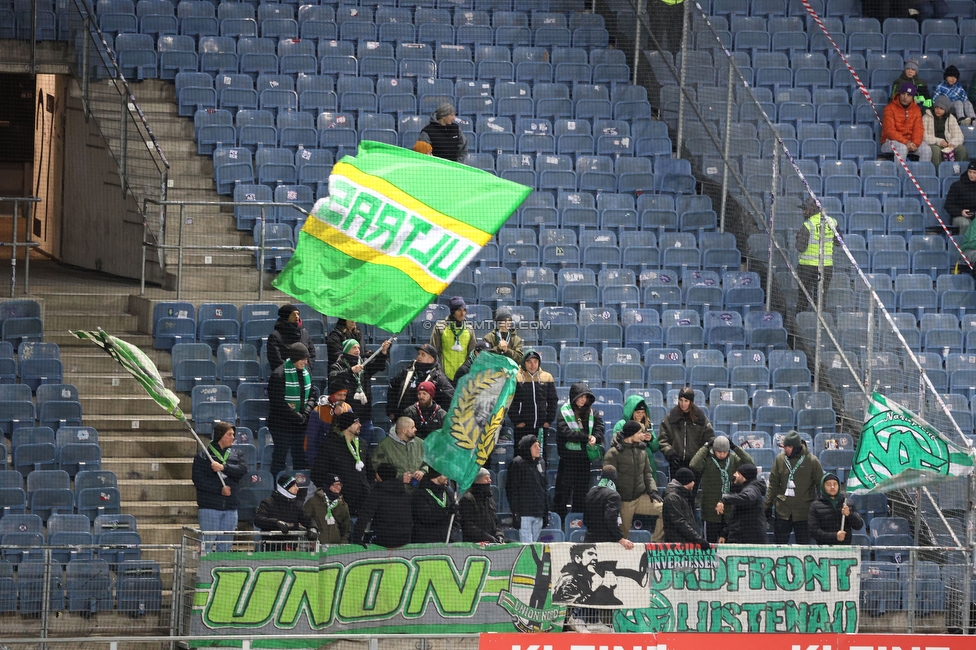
(746, 519)
(403, 394)
(526, 484)
(566, 436)
(284, 334)
(825, 516)
(961, 196)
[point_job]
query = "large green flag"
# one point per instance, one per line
(395, 230)
(139, 366)
(465, 442)
(898, 449)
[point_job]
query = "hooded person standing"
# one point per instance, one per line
(527, 489)
(678, 511)
(716, 462)
(288, 330)
(330, 513)
(343, 330)
(291, 398)
(635, 484)
(503, 339)
(216, 499)
(343, 455)
(534, 403)
(403, 387)
(283, 512)
(827, 513)
(479, 518)
(635, 410)
(350, 369)
(427, 415)
(793, 484)
(601, 511)
(683, 432)
(433, 504)
(444, 135)
(453, 338)
(577, 426)
(742, 508)
(960, 205)
(387, 512)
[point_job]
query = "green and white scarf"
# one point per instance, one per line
(296, 395)
(724, 471)
(572, 422)
(605, 482)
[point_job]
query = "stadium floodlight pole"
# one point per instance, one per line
(681, 82)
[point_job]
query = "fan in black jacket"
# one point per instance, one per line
(479, 521)
(216, 499)
(403, 387)
(577, 425)
(342, 454)
(827, 512)
(291, 398)
(283, 512)
(288, 330)
(527, 487)
(344, 329)
(678, 510)
(534, 404)
(433, 505)
(743, 507)
(601, 513)
(387, 512)
(350, 370)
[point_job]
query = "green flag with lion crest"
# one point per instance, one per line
(465, 442)
(898, 449)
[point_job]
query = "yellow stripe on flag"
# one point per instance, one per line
(329, 235)
(394, 193)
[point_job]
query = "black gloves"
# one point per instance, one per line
(312, 534)
(283, 526)
(769, 513)
(655, 497)
(709, 444)
(705, 545)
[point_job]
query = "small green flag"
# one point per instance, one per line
(898, 449)
(139, 366)
(465, 442)
(394, 232)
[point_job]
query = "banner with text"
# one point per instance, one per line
(692, 641)
(748, 589)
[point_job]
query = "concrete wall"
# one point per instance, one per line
(101, 228)
(52, 93)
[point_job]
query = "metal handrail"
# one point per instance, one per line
(27, 243)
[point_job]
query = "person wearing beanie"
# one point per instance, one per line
(742, 508)
(628, 454)
(808, 245)
(283, 512)
(601, 511)
(533, 408)
(479, 347)
(577, 426)
(478, 514)
(827, 513)
(342, 331)
(329, 512)
(910, 76)
(527, 489)
(386, 518)
(960, 205)
(962, 107)
(453, 338)
(942, 133)
(793, 484)
(291, 398)
(504, 339)
(320, 419)
(216, 473)
(716, 462)
(678, 510)
(433, 504)
(683, 432)
(404, 450)
(444, 135)
(344, 455)
(288, 329)
(351, 369)
(901, 124)
(426, 413)
(402, 392)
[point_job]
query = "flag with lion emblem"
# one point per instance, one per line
(465, 442)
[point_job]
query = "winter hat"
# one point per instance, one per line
(348, 345)
(641, 406)
(427, 387)
(792, 439)
(481, 346)
(427, 348)
(951, 71)
(687, 393)
(286, 311)
(972, 164)
(297, 352)
(344, 420)
(423, 147)
(908, 88)
(482, 473)
(285, 482)
(829, 476)
(911, 64)
(684, 476)
(503, 313)
(721, 443)
(340, 382)
(748, 470)
(609, 472)
(942, 102)
(331, 478)
(531, 354)
(630, 428)
(455, 303)
(444, 110)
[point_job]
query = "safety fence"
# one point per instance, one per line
(22, 208)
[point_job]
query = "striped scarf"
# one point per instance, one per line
(295, 395)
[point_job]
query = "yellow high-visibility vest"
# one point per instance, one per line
(810, 256)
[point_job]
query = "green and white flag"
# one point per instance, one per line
(139, 366)
(899, 449)
(394, 232)
(464, 444)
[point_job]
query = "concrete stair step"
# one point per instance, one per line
(159, 490)
(168, 532)
(119, 445)
(110, 322)
(66, 341)
(119, 383)
(80, 302)
(92, 359)
(149, 424)
(119, 404)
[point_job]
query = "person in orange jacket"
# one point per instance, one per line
(901, 125)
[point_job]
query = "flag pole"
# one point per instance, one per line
(196, 437)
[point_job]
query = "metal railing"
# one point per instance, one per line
(155, 240)
(27, 244)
